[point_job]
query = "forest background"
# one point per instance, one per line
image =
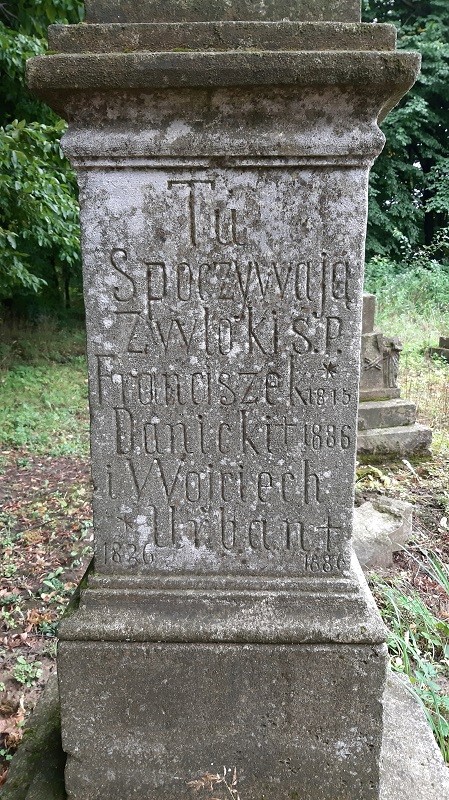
(408, 233)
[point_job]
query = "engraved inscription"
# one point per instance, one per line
(176, 482)
(162, 531)
(225, 231)
(227, 388)
(311, 283)
(222, 377)
(240, 435)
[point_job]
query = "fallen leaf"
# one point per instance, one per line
(8, 706)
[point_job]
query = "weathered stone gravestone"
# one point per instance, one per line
(223, 170)
(387, 424)
(442, 350)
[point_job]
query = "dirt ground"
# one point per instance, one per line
(46, 533)
(46, 545)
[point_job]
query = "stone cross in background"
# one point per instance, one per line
(223, 165)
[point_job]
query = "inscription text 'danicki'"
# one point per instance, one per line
(223, 371)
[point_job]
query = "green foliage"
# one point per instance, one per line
(416, 284)
(34, 16)
(39, 233)
(419, 645)
(409, 192)
(15, 48)
(39, 228)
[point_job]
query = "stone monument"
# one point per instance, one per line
(222, 151)
(387, 424)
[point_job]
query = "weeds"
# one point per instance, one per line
(27, 672)
(41, 343)
(419, 643)
(419, 284)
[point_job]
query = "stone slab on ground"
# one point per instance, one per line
(411, 769)
(442, 350)
(381, 527)
(400, 440)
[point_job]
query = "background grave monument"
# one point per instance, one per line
(223, 170)
(387, 424)
(442, 350)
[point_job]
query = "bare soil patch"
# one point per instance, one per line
(45, 535)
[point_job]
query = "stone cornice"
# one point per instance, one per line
(223, 609)
(49, 76)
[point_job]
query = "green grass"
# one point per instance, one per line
(418, 643)
(46, 342)
(412, 303)
(417, 287)
(44, 408)
(43, 388)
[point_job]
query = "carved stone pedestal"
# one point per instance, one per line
(223, 169)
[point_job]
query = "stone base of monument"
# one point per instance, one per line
(398, 441)
(386, 414)
(411, 767)
(259, 707)
(173, 679)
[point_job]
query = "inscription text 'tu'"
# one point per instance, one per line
(223, 224)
